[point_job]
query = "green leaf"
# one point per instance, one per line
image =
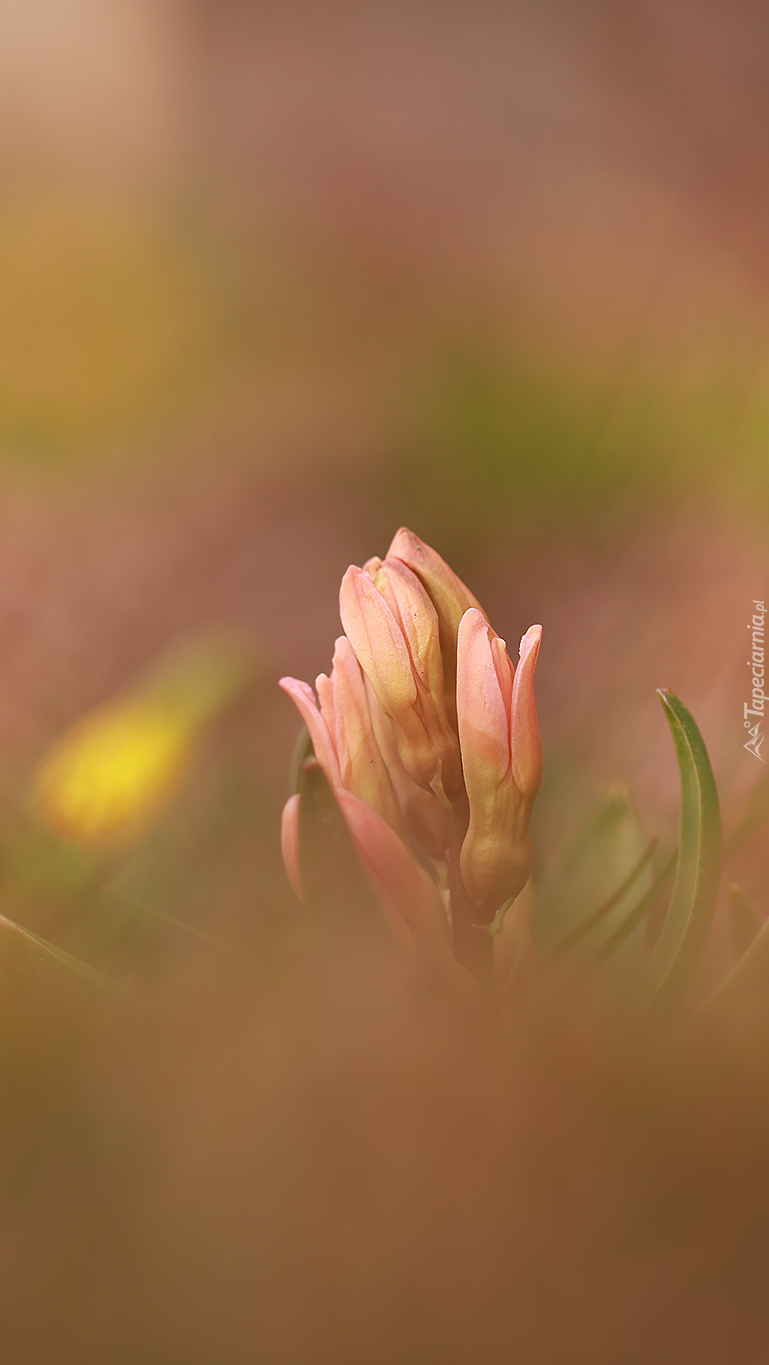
(638, 913)
(335, 887)
(595, 884)
(748, 981)
(745, 921)
(678, 949)
(35, 954)
(599, 916)
(754, 816)
(189, 929)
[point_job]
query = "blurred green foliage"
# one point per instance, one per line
(499, 440)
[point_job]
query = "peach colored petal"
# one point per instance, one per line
(325, 691)
(505, 672)
(482, 715)
(410, 898)
(417, 619)
(289, 842)
(377, 640)
(363, 769)
(525, 741)
(303, 698)
(448, 593)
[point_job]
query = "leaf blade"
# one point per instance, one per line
(51, 954)
(748, 980)
(595, 881)
(677, 951)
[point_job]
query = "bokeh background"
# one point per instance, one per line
(278, 278)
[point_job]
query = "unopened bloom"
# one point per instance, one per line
(501, 761)
(342, 732)
(448, 594)
(428, 737)
(393, 628)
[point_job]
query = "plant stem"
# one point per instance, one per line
(473, 947)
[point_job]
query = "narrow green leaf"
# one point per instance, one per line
(335, 887)
(617, 896)
(635, 916)
(745, 922)
(678, 949)
(595, 883)
(749, 978)
(754, 816)
(39, 953)
(190, 929)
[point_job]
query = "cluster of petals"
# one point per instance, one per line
(425, 727)
(394, 630)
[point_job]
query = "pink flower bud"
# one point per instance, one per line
(393, 628)
(501, 760)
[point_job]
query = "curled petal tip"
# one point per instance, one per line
(473, 634)
(531, 640)
(449, 594)
(404, 539)
(295, 687)
(303, 698)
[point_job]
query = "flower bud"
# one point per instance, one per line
(448, 594)
(501, 760)
(393, 628)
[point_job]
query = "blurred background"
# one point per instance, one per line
(278, 278)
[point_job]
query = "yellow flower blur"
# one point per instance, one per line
(114, 771)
